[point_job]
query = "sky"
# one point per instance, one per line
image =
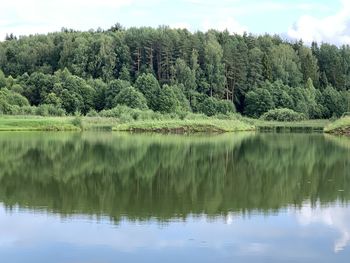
(310, 20)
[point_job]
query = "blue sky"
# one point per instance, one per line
(322, 20)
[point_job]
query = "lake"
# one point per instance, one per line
(110, 197)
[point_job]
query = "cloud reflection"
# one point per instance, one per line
(336, 217)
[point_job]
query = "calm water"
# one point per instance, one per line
(103, 197)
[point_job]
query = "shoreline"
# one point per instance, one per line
(176, 126)
(339, 127)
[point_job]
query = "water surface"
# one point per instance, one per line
(242, 197)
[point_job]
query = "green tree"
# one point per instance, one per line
(113, 89)
(2, 79)
(256, 67)
(53, 99)
(309, 66)
(148, 85)
(257, 102)
(214, 68)
(132, 98)
(185, 76)
(208, 106)
(334, 102)
(167, 100)
(286, 65)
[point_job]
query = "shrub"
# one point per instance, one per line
(27, 110)
(225, 107)
(13, 98)
(283, 114)
(124, 114)
(148, 85)
(196, 116)
(208, 106)
(258, 102)
(92, 113)
(49, 110)
(211, 106)
(77, 122)
(167, 100)
(132, 98)
(2, 79)
(113, 89)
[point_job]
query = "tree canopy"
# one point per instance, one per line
(176, 70)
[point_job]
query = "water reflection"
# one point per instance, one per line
(244, 197)
(166, 177)
(288, 237)
(336, 217)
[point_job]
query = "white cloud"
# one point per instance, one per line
(181, 25)
(334, 29)
(229, 23)
(334, 217)
(42, 16)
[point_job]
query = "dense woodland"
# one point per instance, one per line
(171, 71)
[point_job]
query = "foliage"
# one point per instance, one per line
(131, 97)
(340, 126)
(86, 71)
(167, 100)
(113, 89)
(257, 102)
(126, 113)
(211, 106)
(148, 85)
(282, 114)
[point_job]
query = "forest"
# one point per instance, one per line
(172, 71)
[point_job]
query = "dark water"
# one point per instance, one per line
(103, 197)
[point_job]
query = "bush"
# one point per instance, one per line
(113, 89)
(167, 100)
(208, 106)
(125, 114)
(211, 106)
(92, 113)
(148, 85)
(77, 122)
(13, 98)
(132, 98)
(49, 110)
(225, 107)
(258, 102)
(196, 116)
(282, 115)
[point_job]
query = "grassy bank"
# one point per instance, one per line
(296, 126)
(34, 123)
(341, 126)
(185, 126)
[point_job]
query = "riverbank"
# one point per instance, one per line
(296, 126)
(339, 127)
(37, 123)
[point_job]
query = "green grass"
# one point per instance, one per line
(307, 125)
(36, 123)
(340, 126)
(180, 126)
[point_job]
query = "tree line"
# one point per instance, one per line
(170, 71)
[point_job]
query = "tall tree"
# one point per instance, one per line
(214, 68)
